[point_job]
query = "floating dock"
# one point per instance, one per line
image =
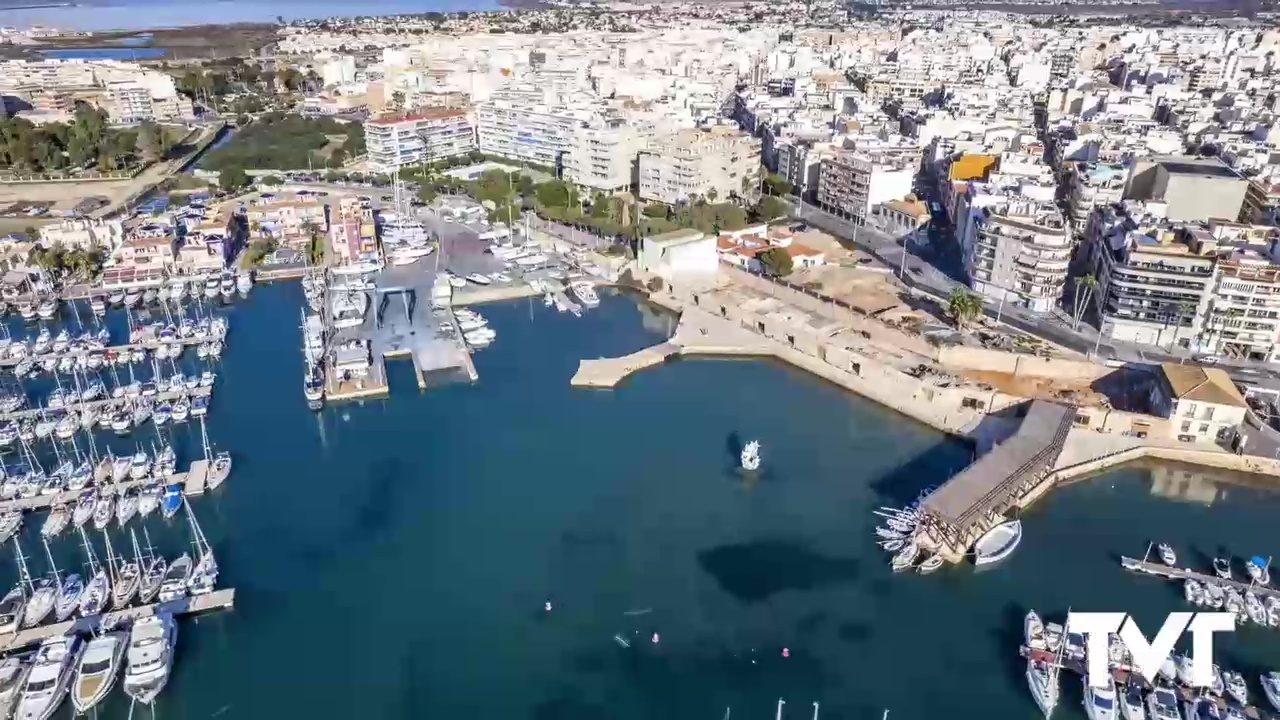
(112, 403)
(1183, 574)
(216, 600)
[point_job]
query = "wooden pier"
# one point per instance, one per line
(216, 600)
(107, 403)
(193, 482)
(1183, 574)
(1125, 675)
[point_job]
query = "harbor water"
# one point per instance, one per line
(392, 558)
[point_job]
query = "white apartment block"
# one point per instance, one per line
(603, 155)
(1016, 249)
(717, 162)
(395, 141)
(538, 134)
(127, 91)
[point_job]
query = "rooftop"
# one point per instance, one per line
(1201, 384)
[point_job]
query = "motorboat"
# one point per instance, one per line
(1235, 686)
(97, 670)
(244, 282)
(131, 297)
(153, 575)
(51, 673)
(98, 305)
(212, 288)
(126, 586)
(1033, 631)
(227, 286)
(177, 290)
(96, 594)
(139, 465)
(1254, 609)
(751, 456)
(1194, 592)
(121, 422)
(1222, 567)
(149, 499)
(1042, 682)
(68, 597)
(47, 309)
(150, 657)
(1053, 633)
(40, 604)
(585, 292)
(11, 607)
(171, 501)
(998, 543)
(360, 266)
(1203, 708)
(906, 557)
(1162, 704)
(931, 564)
(1131, 707)
(1100, 702)
(13, 678)
(409, 255)
(181, 410)
(1259, 570)
(1271, 688)
(174, 584)
(56, 521)
(9, 524)
(150, 295)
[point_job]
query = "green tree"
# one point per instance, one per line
(776, 261)
(426, 194)
(776, 184)
(1085, 287)
(963, 306)
(270, 180)
(151, 141)
(554, 193)
(232, 179)
(770, 208)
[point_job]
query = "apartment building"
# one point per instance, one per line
(851, 183)
(604, 154)
(526, 132)
(394, 141)
(1192, 189)
(129, 103)
(1016, 248)
(713, 163)
(1092, 185)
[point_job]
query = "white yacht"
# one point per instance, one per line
(13, 677)
(348, 309)
(998, 543)
(586, 292)
(50, 675)
(150, 657)
(1162, 704)
(409, 255)
(1042, 682)
(1167, 555)
(97, 670)
(479, 279)
(174, 585)
(1100, 703)
(1131, 703)
(751, 456)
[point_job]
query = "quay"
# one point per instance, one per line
(107, 403)
(193, 482)
(1183, 574)
(216, 600)
(1125, 675)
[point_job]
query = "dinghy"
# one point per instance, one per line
(906, 557)
(931, 564)
(998, 543)
(1033, 631)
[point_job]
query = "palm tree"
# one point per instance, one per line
(963, 306)
(1085, 287)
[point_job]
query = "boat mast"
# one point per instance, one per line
(24, 576)
(204, 437)
(53, 567)
(112, 570)
(778, 715)
(150, 550)
(137, 552)
(88, 551)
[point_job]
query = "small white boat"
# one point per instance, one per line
(1259, 570)
(998, 543)
(585, 292)
(1222, 567)
(174, 585)
(1131, 706)
(751, 456)
(1053, 637)
(1167, 556)
(1193, 592)
(1271, 688)
(1033, 631)
(479, 279)
(150, 657)
(1043, 685)
(906, 557)
(931, 564)
(97, 670)
(1100, 703)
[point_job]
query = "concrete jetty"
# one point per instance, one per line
(1178, 574)
(107, 403)
(216, 600)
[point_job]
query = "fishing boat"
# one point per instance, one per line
(51, 673)
(57, 520)
(998, 543)
(150, 657)
(13, 678)
(1042, 682)
(1033, 631)
(1271, 688)
(11, 607)
(171, 501)
(1259, 570)
(931, 564)
(97, 670)
(1222, 566)
(1100, 702)
(1162, 704)
(751, 456)
(174, 584)
(68, 597)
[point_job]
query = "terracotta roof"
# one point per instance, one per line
(914, 208)
(1201, 384)
(798, 250)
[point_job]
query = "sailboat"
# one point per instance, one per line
(44, 593)
(751, 456)
(154, 570)
(97, 670)
(205, 575)
(57, 520)
(219, 464)
(11, 607)
(69, 590)
(96, 594)
(149, 499)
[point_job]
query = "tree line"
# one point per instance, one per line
(280, 141)
(87, 142)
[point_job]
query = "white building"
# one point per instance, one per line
(604, 154)
(680, 255)
(714, 163)
(338, 71)
(1201, 403)
(424, 136)
(532, 133)
(1016, 249)
(84, 233)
